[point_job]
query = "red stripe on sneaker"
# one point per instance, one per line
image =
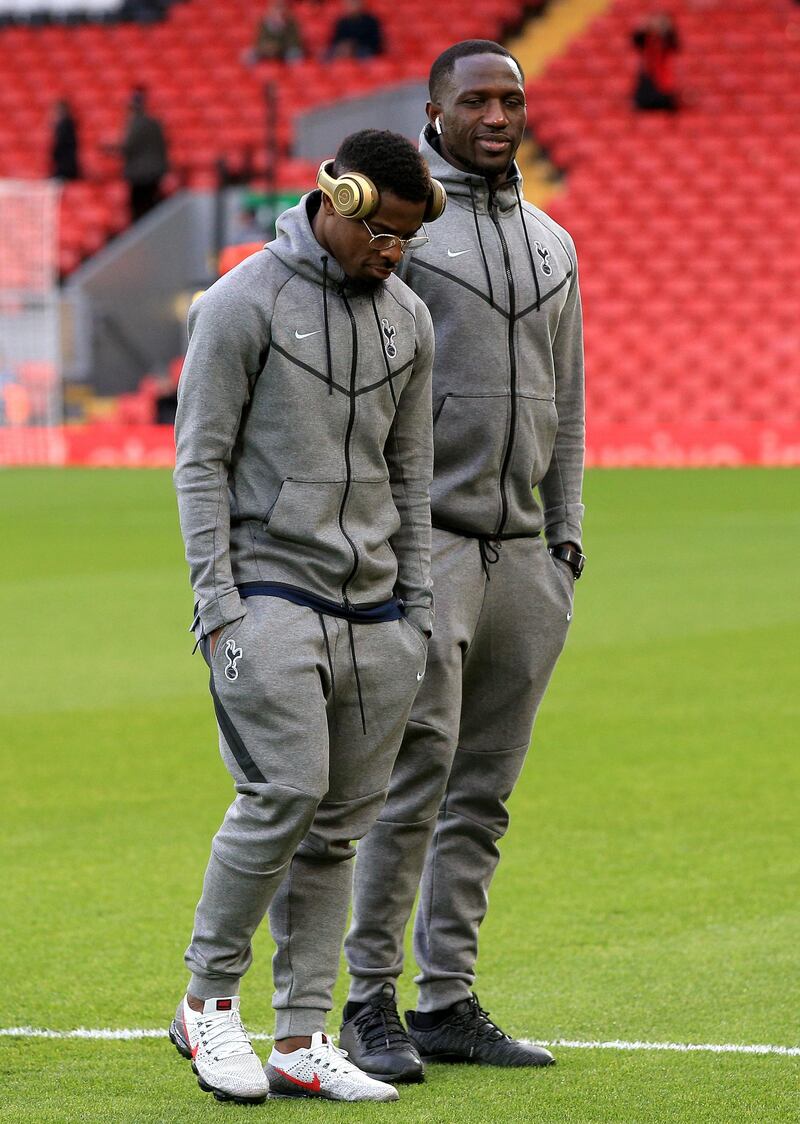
(313, 1086)
(193, 1049)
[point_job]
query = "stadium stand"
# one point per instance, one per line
(686, 224)
(211, 102)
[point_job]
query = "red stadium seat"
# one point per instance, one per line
(686, 225)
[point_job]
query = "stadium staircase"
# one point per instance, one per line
(536, 46)
(687, 224)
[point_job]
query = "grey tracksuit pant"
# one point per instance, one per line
(308, 782)
(493, 651)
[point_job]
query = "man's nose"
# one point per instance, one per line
(393, 253)
(495, 114)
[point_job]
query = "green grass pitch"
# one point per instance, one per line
(649, 886)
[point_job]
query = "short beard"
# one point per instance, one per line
(501, 177)
(475, 170)
(362, 286)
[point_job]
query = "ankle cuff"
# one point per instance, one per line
(216, 988)
(440, 994)
(293, 1021)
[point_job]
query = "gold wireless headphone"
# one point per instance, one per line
(355, 196)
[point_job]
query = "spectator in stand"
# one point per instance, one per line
(248, 228)
(357, 34)
(144, 154)
(656, 39)
(64, 147)
(277, 37)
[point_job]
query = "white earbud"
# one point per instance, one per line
(438, 125)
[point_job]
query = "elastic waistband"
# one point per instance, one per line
(483, 536)
(391, 610)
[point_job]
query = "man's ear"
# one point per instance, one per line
(432, 111)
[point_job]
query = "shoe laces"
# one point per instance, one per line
(225, 1037)
(379, 1024)
(477, 1023)
(329, 1057)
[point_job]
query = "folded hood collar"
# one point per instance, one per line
(467, 185)
(476, 189)
(297, 247)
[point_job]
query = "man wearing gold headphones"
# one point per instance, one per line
(304, 459)
(500, 279)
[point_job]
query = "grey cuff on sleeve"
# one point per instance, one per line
(421, 618)
(563, 524)
(227, 608)
(564, 532)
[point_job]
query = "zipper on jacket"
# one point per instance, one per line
(512, 364)
(348, 468)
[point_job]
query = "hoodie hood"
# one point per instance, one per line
(469, 188)
(295, 244)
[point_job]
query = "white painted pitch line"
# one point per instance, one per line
(127, 1034)
(679, 1047)
(132, 1033)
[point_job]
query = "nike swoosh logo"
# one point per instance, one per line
(313, 1086)
(456, 253)
(420, 675)
(305, 335)
(195, 1049)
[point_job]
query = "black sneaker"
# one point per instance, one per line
(467, 1034)
(376, 1040)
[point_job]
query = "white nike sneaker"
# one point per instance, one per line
(322, 1070)
(220, 1051)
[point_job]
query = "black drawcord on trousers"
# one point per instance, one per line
(490, 553)
(355, 669)
(358, 677)
(330, 665)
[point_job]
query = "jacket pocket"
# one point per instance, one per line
(566, 578)
(469, 436)
(370, 519)
(420, 636)
(310, 529)
(305, 514)
(534, 439)
(225, 633)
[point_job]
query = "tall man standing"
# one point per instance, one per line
(500, 279)
(304, 457)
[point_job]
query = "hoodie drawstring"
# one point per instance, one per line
(325, 314)
(530, 251)
(480, 243)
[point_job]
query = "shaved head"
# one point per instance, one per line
(442, 70)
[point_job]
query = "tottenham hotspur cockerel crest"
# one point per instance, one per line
(544, 255)
(389, 332)
(232, 655)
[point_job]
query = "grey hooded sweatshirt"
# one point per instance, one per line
(303, 433)
(506, 417)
